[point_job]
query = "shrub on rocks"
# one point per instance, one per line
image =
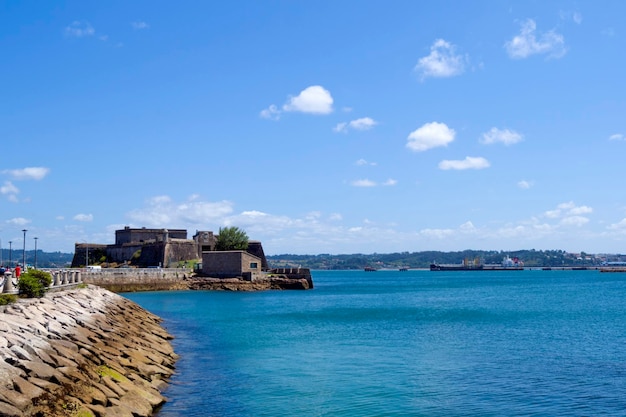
(34, 283)
(7, 299)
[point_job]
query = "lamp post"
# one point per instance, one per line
(87, 256)
(36, 251)
(24, 251)
(10, 254)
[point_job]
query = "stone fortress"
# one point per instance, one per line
(155, 248)
(167, 250)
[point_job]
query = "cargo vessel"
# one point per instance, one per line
(507, 264)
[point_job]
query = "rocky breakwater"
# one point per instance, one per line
(82, 352)
(277, 279)
(238, 284)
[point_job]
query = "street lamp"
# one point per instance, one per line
(36, 251)
(10, 254)
(24, 251)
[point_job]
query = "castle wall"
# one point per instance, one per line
(121, 254)
(179, 250)
(128, 235)
(90, 253)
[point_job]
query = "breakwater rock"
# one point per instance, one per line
(82, 352)
(237, 284)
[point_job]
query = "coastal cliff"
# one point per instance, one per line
(82, 352)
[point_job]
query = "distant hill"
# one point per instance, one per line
(530, 258)
(44, 259)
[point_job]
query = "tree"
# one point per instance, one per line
(231, 238)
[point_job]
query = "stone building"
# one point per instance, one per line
(232, 264)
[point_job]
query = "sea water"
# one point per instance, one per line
(402, 343)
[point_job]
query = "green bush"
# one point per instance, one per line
(34, 283)
(7, 299)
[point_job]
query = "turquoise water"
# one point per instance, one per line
(391, 343)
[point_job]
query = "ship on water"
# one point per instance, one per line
(508, 264)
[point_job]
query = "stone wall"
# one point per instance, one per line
(295, 274)
(138, 279)
(82, 352)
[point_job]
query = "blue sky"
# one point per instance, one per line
(317, 127)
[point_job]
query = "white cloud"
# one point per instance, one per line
(468, 163)
(314, 99)
(525, 185)
(271, 113)
(83, 217)
(363, 162)
(30, 173)
(580, 210)
(9, 188)
(621, 225)
(161, 211)
(341, 127)
(18, 221)
(566, 206)
(364, 123)
(527, 43)
(569, 213)
(363, 183)
(505, 136)
(437, 233)
(575, 17)
(465, 229)
(552, 214)
(79, 29)
(441, 62)
(617, 136)
(430, 135)
(369, 183)
(574, 221)
(335, 217)
(139, 25)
